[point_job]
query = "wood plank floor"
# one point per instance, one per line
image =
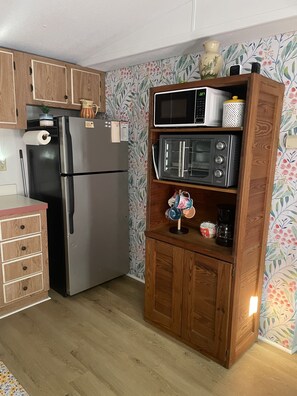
(97, 343)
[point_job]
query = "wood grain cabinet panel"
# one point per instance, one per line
(21, 247)
(12, 105)
(7, 89)
(49, 82)
(23, 288)
(206, 301)
(87, 84)
(18, 269)
(218, 282)
(20, 226)
(164, 284)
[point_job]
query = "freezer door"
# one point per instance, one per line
(96, 213)
(86, 150)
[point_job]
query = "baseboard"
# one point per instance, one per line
(23, 308)
(274, 344)
(135, 277)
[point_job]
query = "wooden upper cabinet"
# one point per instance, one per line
(62, 84)
(87, 84)
(12, 110)
(48, 82)
(36, 80)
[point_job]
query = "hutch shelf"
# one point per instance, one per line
(196, 290)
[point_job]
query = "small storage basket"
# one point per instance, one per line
(233, 112)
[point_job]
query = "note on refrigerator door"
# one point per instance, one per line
(124, 126)
(115, 132)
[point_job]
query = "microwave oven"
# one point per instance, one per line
(189, 107)
(210, 159)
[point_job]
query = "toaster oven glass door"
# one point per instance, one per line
(200, 160)
(173, 159)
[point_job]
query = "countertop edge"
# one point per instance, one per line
(18, 204)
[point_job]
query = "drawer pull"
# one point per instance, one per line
(24, 248)
(25, 288)
(25, 268)
(22, 227)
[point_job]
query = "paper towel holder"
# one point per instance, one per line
(37, 137)
(45, 136)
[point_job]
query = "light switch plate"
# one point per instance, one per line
(3, 165)
(291, 141)
(124, 131)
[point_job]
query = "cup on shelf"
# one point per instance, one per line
(208, 229)
(183, 200)
(189, 213)
(173, 213)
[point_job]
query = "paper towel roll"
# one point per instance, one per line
(37, 137)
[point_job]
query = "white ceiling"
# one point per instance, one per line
(109, 34)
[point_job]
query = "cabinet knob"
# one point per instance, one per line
(23, 248)
(25, 288)
(22, 227)
(25, 268)
(66, 97)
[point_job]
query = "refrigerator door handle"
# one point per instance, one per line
(65, 147)
(70, 203)
(69, 151)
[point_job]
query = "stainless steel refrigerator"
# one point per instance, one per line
(82, 174)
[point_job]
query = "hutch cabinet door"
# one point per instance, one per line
(206, 299)
(49, 82)
(87, 84)
(163, 282)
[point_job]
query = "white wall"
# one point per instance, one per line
(10, 144)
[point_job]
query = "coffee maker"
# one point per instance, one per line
(225, 225)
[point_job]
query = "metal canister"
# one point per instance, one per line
(233, 112)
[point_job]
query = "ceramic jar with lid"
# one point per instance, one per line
(233, 112)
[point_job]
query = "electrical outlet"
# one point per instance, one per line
(291, 141)
(3, 165)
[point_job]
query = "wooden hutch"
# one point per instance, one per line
(196, 290)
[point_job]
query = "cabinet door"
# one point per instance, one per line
(48, 82)
(163, 284)
(87, 84)
(12, 112)
(206, 298)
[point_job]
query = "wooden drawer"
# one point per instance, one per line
(20, 226)
(21, 268)
(21, 247)
(16, 290)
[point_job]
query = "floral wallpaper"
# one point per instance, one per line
(127, 93)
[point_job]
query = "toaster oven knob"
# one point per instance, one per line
(218, 173)
(220, 145)
(219, 159)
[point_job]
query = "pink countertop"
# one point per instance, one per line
(18, 204)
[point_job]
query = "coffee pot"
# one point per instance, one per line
(225, 225)
(88, 108)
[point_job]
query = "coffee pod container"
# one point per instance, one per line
(233, 112)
